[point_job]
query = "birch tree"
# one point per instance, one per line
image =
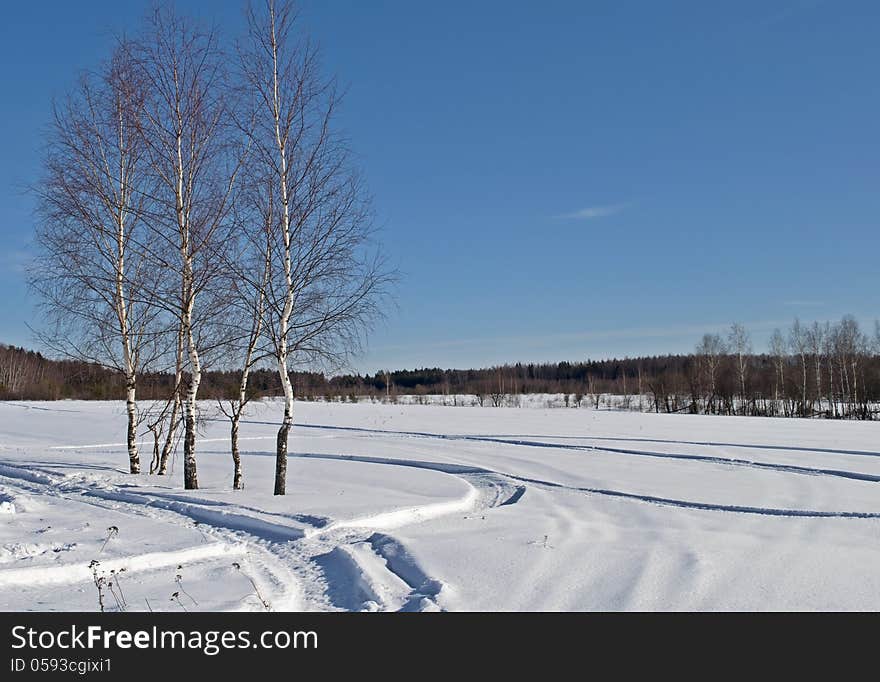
(324, 288)
(193, 162)
(797, 339)
(91, 273)
(850, 346)
(778, 350)
(814, 339)
(741, 346)
(710, 352)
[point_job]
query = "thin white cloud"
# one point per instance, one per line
(786, 13)
(803, 302)
(593, 212)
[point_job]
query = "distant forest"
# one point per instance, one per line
(823, 370)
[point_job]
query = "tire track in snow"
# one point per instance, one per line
(512, 439)
(707, 459)
(367, 570)
(520, 440)
(650, 499)
(221, 519)
(705, 506)
(489, 488)
(784, 468)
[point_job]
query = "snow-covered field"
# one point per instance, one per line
(423, 508)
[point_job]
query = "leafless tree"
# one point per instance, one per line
(324, 287)
(828, 350)
(797, 341)
(741, 347)
(850, 346)
(15, 370)
(194, 164)
(814, 338)
(779, 352)
(91, 273)
(710, 352)
(593, 390)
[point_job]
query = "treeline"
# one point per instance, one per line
(817, 370)
(29, 375)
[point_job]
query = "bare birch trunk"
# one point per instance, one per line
(284, 431)
(168, 447)
(237, 479)
(831, 396)
(131, 410)
(804, 393)
(284, 322)
(190, 476)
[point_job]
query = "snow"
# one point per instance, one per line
(425, 507)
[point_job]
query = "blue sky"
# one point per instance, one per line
(557, 180)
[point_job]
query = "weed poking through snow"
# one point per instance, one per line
(263, 601)
(120, 599)
(178, 579)
(175, 596)
(111, 532)
(100, 581)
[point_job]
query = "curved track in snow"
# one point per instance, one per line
(303, 561)
(356, 564)
(707, 459)
(463, 470)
